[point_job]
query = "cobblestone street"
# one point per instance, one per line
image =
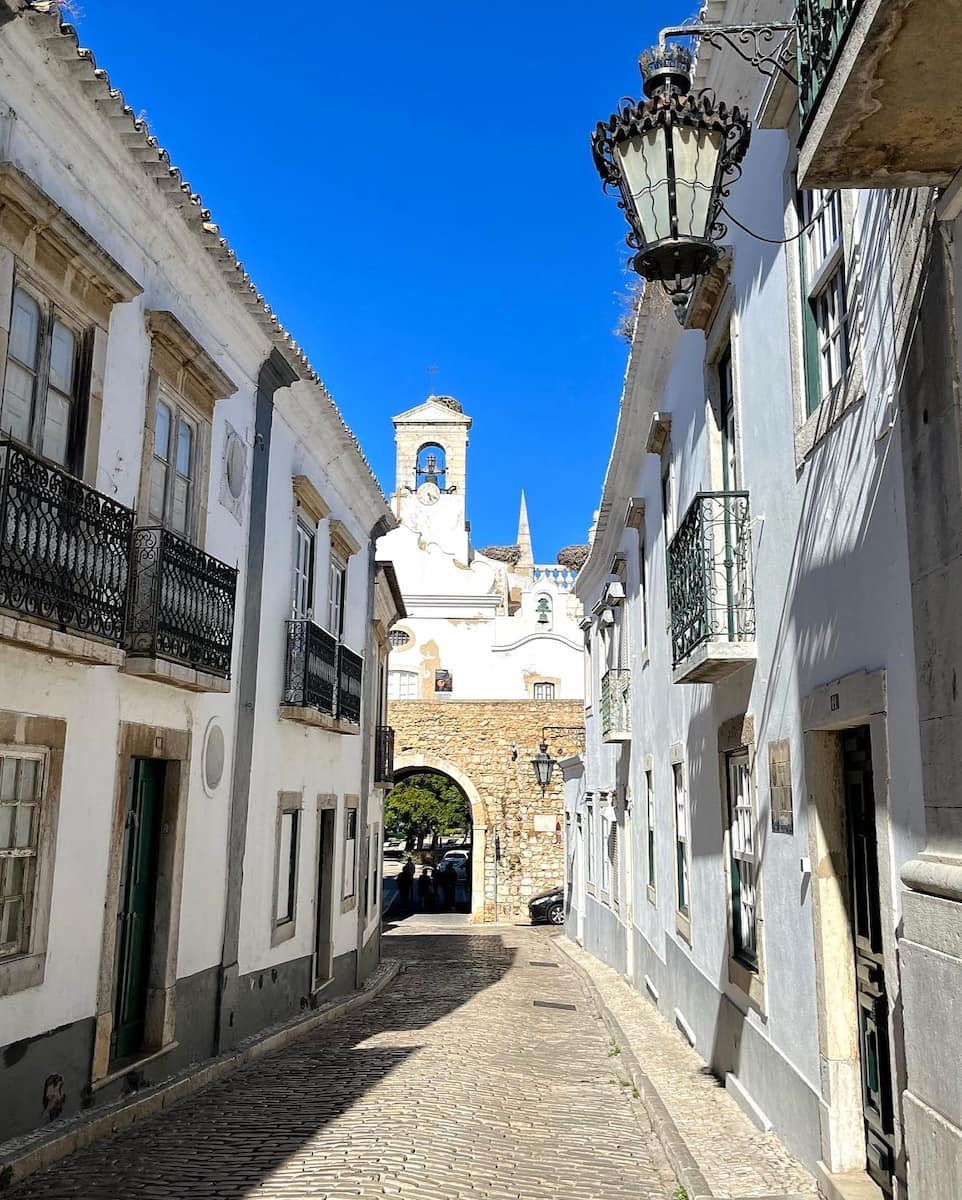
(470, 1076)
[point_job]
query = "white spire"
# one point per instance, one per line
(524, 536)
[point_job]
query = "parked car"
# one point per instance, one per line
(548, 908)
(394, 848)
(459, 860)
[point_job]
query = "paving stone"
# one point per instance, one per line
(449, 1085)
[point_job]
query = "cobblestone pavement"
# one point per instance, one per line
(450, 1084)
(736, 1158)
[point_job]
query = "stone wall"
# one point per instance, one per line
(486, 746)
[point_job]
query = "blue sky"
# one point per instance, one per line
(410, 185)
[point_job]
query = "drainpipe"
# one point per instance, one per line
(369, 712)
(274, 374)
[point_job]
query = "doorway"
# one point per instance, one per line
(324, 898)
(136, 906)
(866, 923)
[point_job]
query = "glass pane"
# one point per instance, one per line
(162, 432)
(29, 773)
(178, 512)
(696, 161)
(644, 164)
(8, 813)
(185, 445)
(158, 487)
(16, 410)
(63, 358)
(14, 880)
(10, 923)
(56, 427)
(8, 779)
(24, 834)
(25, 329)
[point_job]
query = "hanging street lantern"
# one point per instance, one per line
(543, 765)
(672, 159)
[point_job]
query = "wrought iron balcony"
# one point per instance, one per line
(871, 115)
(64, 548)
(350, 671)
(616, 706)
(710, 591)
(384, 754)
(310, 673)
(181, 605)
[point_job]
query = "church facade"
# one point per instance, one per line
(491, 646)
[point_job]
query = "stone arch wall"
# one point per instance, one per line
(486, 747)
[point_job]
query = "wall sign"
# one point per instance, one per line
(443, 681)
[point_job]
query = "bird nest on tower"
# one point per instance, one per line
(503, 554)
(573, 557)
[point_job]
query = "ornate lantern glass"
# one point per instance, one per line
(543, 765)
(672, 159)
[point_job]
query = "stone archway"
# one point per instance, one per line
(479, 820)
(486, 747)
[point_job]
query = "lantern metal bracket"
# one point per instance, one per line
(752, 43)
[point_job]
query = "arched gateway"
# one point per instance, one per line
(486, 747)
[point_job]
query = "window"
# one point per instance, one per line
(605, 847)
(742, 862)
(350, 853)
(544, 691)
(303, 602)
(824, 294)
(590, 839)
(402, 685)
(172, 495)
(726, 414)
(41, 386)
(611, 849)
(681, 839)
(650, 800)
(337, 578)
(588, 683)
(399, 638)
(21, 789)
(643, 597)
(668, 499)
(287, 838)
(373, 873)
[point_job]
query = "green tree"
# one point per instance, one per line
(425, 804)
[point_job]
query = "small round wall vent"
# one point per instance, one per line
(236, 459)
(215, 756)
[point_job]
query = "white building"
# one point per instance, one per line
(477, 627)
(764, 591)
(193, 625)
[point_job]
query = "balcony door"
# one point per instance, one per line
(730, 563)
(726, 419)
(302, 607)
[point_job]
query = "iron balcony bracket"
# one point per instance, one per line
(752, 43)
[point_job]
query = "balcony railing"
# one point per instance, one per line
(181, 604)
(64, 548)
(310, 675)
(350, 670)
(822, 26)
(616, 706)
(384, 754)
(710, 591)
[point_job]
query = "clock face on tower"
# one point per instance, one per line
(429, 493)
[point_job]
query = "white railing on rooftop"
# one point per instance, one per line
(562, 577)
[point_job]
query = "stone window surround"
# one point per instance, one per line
(323, 972)
(49, 251)
(46, 735)
(553, 680)
(178, 360)
(590, 834)
(676, 757)
(857, 699)
(287, 802)
(736, 734)
(172, 746)
(650, 808)
(348, 903)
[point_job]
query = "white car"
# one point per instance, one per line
(459, 860)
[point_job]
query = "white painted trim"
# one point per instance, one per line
(538, 637)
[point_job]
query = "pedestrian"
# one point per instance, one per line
(449, 881)
(426, 890)
(405, 883)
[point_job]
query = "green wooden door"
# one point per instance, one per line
(135, 911)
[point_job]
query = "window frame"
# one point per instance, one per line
(682, 855)
(30, 854)
(590, 843)
(351, 821)
(289, 804)
(738, 857)
(163, 392)
(336, 572)
(544, 684)
(652, 857)
(397, 673)
(305, 534)
(819, 278)
(50, 314)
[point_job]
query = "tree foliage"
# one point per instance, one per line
(425, 804)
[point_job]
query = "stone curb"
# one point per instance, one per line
(676, 1149)
(35, 1151)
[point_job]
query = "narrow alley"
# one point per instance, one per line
(481, 1071)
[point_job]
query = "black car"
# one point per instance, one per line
(548, 907)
